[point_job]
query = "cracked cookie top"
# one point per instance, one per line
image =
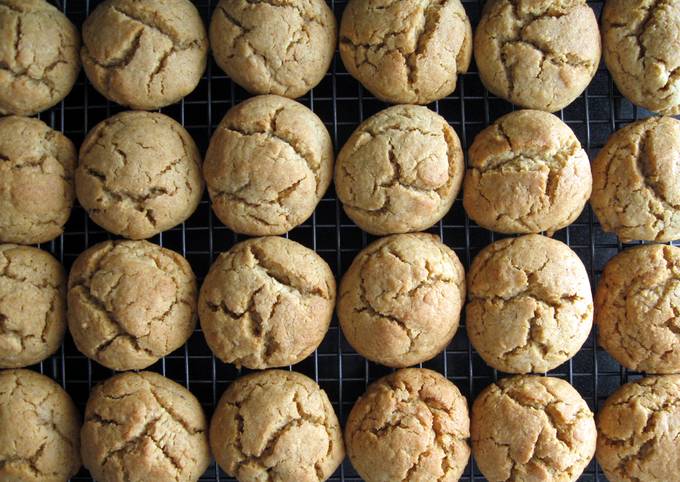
(639, 431)
(267, 302)
(400, 300)
(142, 426)
(400, 171)
(268, 165)
(406, 51)
(144, 54)
(139, 174)
(130, 303)
(530, 306)
(39, 60)
(276, 425)
(532, 428)
(410, 425)
(527, 174)
(539, 54)
(36, 181)
(636, 186)
(40, 439)
(281, 47)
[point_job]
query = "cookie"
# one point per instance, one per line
(39, 56)
(267, 302)
(268, 165)
(410, 425)
(282, 48)
(144, 54)
(408, 52)
(143, 426)
(636, 192)
(532, 428)
(276, 425)
(527, 173)
(130, 303)
(539, 55)
(530, 306)
(36, 181)
(139, 174)
(639, 431)
(40, 440)
(400, 171)
(400, 300)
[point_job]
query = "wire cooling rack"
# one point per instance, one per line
(342, 104)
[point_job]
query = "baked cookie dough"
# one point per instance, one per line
(130, 303)
(142, 426)
(276, 425)
(400, 171)
(408, 52)
(267, 302)
(410, 425)
(144, 55)
(639, 431)
(40, 439)
(539, 55)
(636, 189)
(527, 173)
(282, 48)
(268, 165)
(139, 174)
(532, 428)
(39, 59)
(400, 300)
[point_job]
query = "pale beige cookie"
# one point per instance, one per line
(276, 425)
(636, 186)
(412, 425)
(268, 165)
(130, 303)
(538, 54)
(274, 47)
(141, 426)
(400, 171)
(400, 300)
(39, 56)
(406, 52)
(527, 173)
(139, 174)
(532, 428)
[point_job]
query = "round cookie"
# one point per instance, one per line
(130, 303)
(530, 306)
(539, 55)
(527, 173)
(40, 437)
(410, 425)
(32, 305)
(39, 56)
(408, 52)
(267, 302)
(400, 171)
(36, 181)
(642, 52)
(274, 47)
(400, 300)
(276, 425)
(139, 174)
(143, 426)
(636, 189)
(268, 165)
(144, 54)
(532, 428)
(639, 431)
